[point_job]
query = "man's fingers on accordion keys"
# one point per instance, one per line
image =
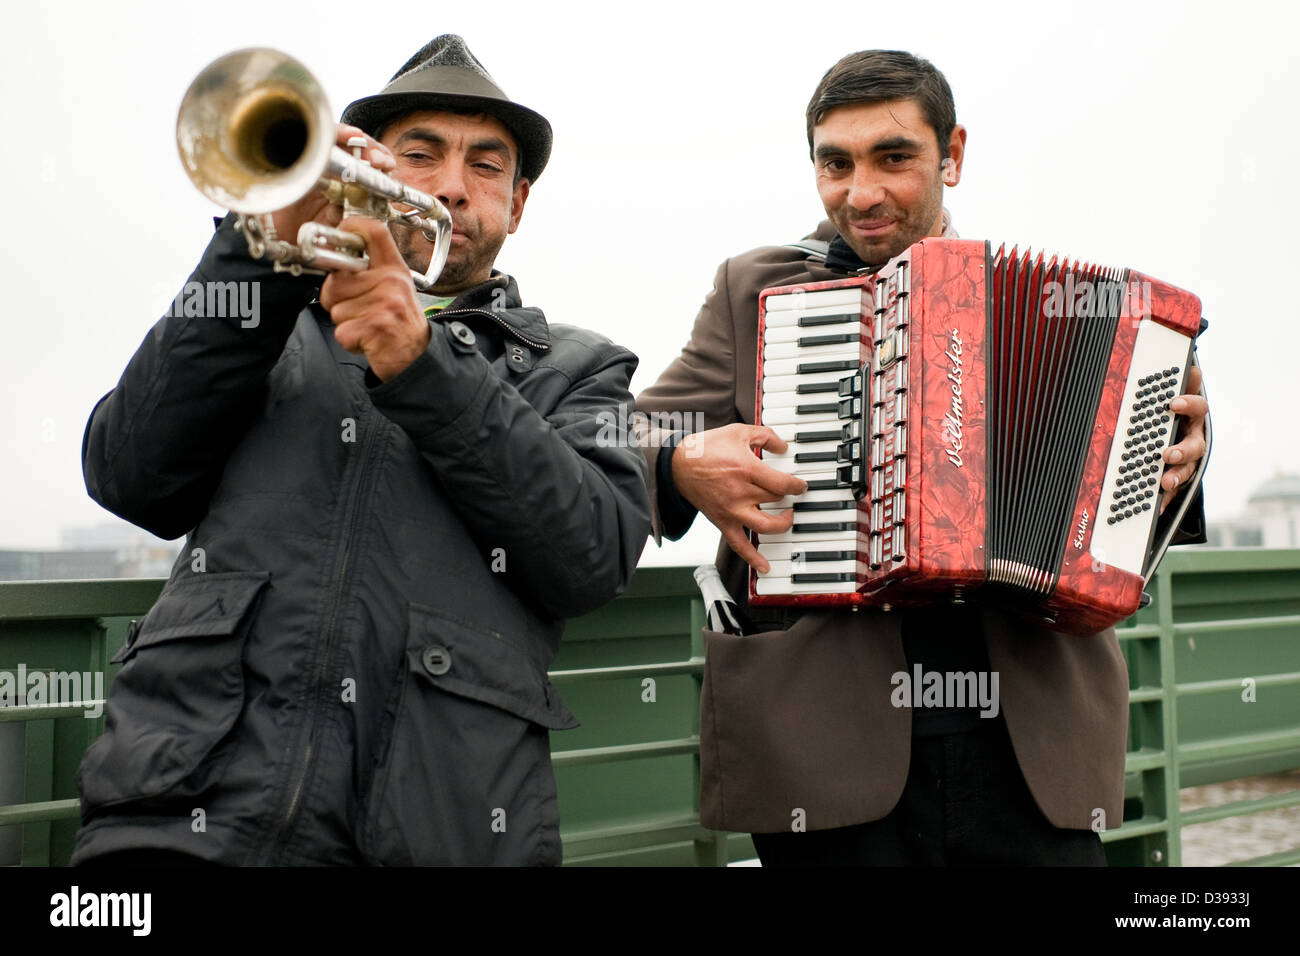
(769, 522)
(740, 543)
(767, 480)
(761, 436)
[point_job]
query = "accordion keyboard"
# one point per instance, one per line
(811, 340)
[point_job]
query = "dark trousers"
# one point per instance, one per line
(965, 803)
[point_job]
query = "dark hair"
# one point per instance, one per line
(873, 76)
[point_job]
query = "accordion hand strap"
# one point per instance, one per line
(816, 248)
(1189, 493)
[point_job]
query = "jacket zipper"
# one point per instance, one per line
(322, 663)
(503, 325)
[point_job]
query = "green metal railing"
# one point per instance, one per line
(1213, 665)
(1213, 668)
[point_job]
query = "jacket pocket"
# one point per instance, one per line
(179, 692)
(801, 721)
(464, 775)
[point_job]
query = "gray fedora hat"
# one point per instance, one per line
(445, 74)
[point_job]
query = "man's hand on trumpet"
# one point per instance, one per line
(375, 312)
(314, 207)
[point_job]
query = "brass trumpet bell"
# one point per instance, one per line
(256, 134)
(255, 131)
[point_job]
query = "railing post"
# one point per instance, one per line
(1169, 715)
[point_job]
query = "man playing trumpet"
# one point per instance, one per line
(392, 500)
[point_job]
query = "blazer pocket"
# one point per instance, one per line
(464, 776)
(798, 724)
(178, 694)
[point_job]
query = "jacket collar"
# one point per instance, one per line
(841, 258)
(498, 294)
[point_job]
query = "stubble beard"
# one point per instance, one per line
(912, 230)
(458, 273)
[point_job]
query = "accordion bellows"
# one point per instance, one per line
(971, 420)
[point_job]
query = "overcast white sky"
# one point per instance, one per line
(1148, 135)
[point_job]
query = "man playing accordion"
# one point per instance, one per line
(803, 743)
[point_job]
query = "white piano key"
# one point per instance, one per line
(790, 366)
(818, 471)
(774, 551)
(791, 415)
(818, 299)
(801, 448)
(784, 569)
(844, 538)
(792, 333)
(788, 431)
(810, 353)
(842, 509)
(774, 385)
(789, 501)
(791, 467)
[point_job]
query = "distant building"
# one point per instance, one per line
(1271, 519)
(57, 565)
(109, 536)
(109, 550)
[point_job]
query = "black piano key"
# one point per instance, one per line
(824, 577)
(824, 526)
(808, 388)
(807, 456)
(824, 484)
(808, 321)
(812, 368)
(810, 341)
(824, 505)
(833, 435)
(818, 409)
(823, 555)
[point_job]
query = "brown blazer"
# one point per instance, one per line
(798, 717)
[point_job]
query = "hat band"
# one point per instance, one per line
(446, 79)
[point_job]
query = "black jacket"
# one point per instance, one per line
(348, 663)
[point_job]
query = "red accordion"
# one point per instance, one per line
(968, 420)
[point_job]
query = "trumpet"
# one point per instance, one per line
(255, 134)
